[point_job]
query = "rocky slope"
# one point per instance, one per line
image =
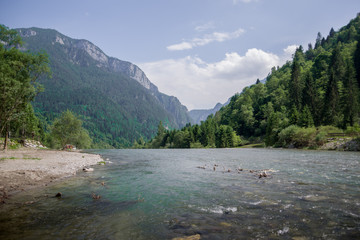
(115, 98)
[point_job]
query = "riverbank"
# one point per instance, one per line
(28, 168)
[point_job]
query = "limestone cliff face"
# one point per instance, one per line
(130, 70)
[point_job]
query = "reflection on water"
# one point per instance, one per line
(217, 193)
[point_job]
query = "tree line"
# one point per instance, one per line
(300, 103)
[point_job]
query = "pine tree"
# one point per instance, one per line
(311, 98)
(306, 119)
(357, 61)
(294, 116)
(350, 103)
(332, 32)
(295, 85)
(332, 96)
(318, 40)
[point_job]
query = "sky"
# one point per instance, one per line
(201, 51)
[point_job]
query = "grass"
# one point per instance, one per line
(4, 158)
(13, 158)
(255, 145)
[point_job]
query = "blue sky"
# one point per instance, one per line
(201, 51)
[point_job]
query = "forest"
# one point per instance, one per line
(299, 105)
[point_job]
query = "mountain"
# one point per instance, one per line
(198, 115)
(115, 99)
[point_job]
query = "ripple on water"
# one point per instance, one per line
(161, 194)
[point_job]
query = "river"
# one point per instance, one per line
(216, 193)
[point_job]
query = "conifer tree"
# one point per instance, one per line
(294, 116)
(306, 119)
(318, 40)
(332, 32)
(332, 96)
(311, 98)
(350, 104)
(295, 85)
(357, 61)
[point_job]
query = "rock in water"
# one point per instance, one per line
(88, 169)
(193, 237)
(58, 195)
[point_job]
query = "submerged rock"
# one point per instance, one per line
(88, 169)
(58, 195)
(193, 237)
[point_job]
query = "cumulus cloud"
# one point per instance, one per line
(290, 50)
(199, 84)
(206, 39)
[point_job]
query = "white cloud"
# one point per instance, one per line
(206, 39)
(204, 27)
(198, 84)
(290, 50)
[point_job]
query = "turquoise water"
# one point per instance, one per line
(162, 194)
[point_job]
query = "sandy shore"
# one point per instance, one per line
(27, 168)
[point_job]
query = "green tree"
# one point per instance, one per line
(294, 116)
(332, 95)
(18, 74)
(272, 129)
(350, 96)
(306, 119)
(318, 40)
(67, 129)
(311, 97)
(27, 124)
(296, 85)
(357, 61)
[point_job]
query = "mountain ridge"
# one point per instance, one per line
(78, 67)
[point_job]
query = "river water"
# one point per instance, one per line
(163, 194)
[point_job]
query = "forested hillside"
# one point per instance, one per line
(115, 100)
(319, 87)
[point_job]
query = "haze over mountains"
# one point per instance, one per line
(116, 100)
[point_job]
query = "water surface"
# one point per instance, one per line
(162, 194)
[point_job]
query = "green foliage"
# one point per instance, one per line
(353, 130)
(67, 129)
(115, 109)
(208, 135)
(19, 72)
(319, 87)
(295, 136)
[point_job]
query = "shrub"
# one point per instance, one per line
(297, 137)
(353, 130)
(196, 145)
(286, 136)
(329, 129)
(320, 138)
(305, 137)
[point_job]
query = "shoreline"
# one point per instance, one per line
(29, 168)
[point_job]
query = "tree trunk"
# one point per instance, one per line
(6, 137)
